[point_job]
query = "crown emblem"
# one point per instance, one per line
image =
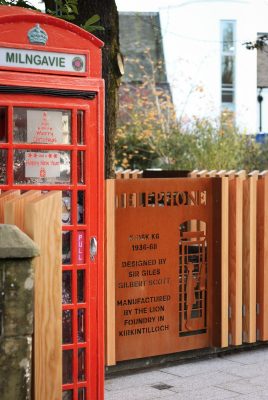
(37, 35)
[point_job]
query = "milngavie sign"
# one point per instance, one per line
(44, 60)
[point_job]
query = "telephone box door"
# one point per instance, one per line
(52, 144)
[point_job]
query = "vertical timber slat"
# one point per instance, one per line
(43, 225)
(4, 198)
(235, 258)
(110, 272)
(14, 209)
(224, 260)
(262, 257)
(249, 257)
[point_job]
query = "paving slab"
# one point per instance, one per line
(240, 376)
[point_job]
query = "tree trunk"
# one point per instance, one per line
(107, 11)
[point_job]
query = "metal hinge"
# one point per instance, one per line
(229, 312)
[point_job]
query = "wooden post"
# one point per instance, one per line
(43, 225)
(262, 256)
(249, 257)
(110, 272)
(235, 257)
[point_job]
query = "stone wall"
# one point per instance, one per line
(16, 312)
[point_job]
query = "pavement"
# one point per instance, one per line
(240, 375)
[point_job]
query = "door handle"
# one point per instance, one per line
(93, 248)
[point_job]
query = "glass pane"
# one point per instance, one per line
(67, 395)
(66, 247)
(81, 286)
(82, 394)
(227, 96)
(66, 207)
(67, 366)
(3, 124)
(3, 166)
(80, 167)
(228, 70)
(81, 325)
(80, 247)
(67, 327)
(43, 167)
(41, 126)
(227, 35)
(81, 364)
(67, 287)
(81, 207)
(80, 127)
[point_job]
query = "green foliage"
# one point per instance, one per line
(149, 135)
(18, 3)
(65, 9)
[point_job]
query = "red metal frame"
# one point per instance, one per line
(92, 187)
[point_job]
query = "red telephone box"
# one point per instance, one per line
(51, 137)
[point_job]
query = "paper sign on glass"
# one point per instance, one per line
(42, 165)
(44, 126)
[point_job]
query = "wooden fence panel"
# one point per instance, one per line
(14, 210)
(262, 257)
(249, 257)
(235, 258)
(43, 225)
(4, 198)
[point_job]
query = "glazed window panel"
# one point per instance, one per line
(66, 207)
(80, 127)
(81, 364)
(81, 286)
(67, 326)
(42, 167)
(66, 247)
(41, 126)
(82, 394)
(67, 287)
(81, 167)
(67, 366)
(81, 207)
(67, 395)
(3, 124)
(3, 166)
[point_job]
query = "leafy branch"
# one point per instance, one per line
(64, 9)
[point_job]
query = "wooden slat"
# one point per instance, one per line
(235, 258)
(224, 260)
(43, 225)
(211, 174)
(4, 198)
(262, 257)
(14, 210)
(110, 272)
(249, 257)
(136, 173)
(193, 173)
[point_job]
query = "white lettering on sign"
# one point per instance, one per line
(42, 165)
(44, 126)
(44, 60)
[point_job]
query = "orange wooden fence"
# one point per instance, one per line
(242, 229)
